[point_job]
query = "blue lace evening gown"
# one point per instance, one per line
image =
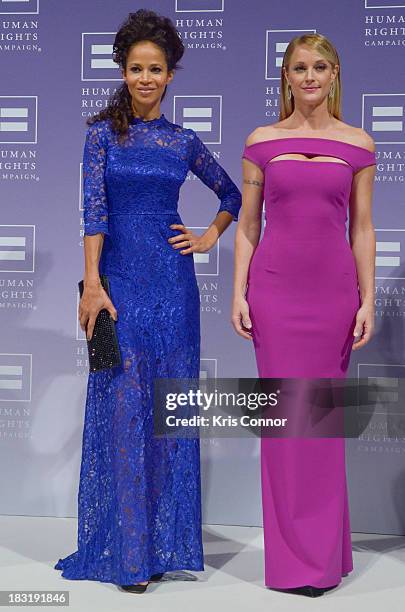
(139, 502)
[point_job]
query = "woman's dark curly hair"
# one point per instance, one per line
(140, 26)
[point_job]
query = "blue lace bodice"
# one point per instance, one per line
(144, 174)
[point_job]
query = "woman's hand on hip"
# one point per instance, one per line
(190, 242)
(93, 300)
(240, 317)
(364, 327)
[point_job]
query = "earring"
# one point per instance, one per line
(332, 90)
(289, 93)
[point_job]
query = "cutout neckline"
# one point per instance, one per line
(309, 138)
(306, 159)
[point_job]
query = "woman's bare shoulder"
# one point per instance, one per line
(262, 133)
(363, 139)
(356, 136)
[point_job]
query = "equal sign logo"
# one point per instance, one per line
(203, 114)
(206, 264)
(276, 43)
(17, 248)
(199, 6)
(383, 388)
(383, 116)
(390, 261)
(208, 368)
(15, 377)
(18, 119)
(388, 119)
(388, 253)
(19, 7)
(97, 62)
(384, 4)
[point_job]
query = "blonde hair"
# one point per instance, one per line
(319, 43)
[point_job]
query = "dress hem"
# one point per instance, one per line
(59, 566)
(321, 584)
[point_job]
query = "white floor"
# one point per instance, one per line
(232, 580)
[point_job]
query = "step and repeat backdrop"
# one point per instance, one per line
(56, 70)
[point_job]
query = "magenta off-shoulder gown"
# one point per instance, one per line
(303, 297)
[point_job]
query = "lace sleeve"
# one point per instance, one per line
(203, 165)
(95, 203)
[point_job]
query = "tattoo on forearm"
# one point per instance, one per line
(251, 182)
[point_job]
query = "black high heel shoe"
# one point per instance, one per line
(156, 577)
(308, 590)
(141, 588)
(135, 588)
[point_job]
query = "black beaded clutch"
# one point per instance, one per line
(103, 346)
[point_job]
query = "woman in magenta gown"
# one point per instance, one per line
(303, 294)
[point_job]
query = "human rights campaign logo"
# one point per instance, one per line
(203, 114)
(97, 62)
(276, 43)
(19, 7)
(383, 117)
(377, 4)
(17, 248)
(18, 119)
(206, 264)
(15, 377)
(200, 6)
(390, 246)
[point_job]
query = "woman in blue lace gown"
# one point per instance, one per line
(139, 505)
